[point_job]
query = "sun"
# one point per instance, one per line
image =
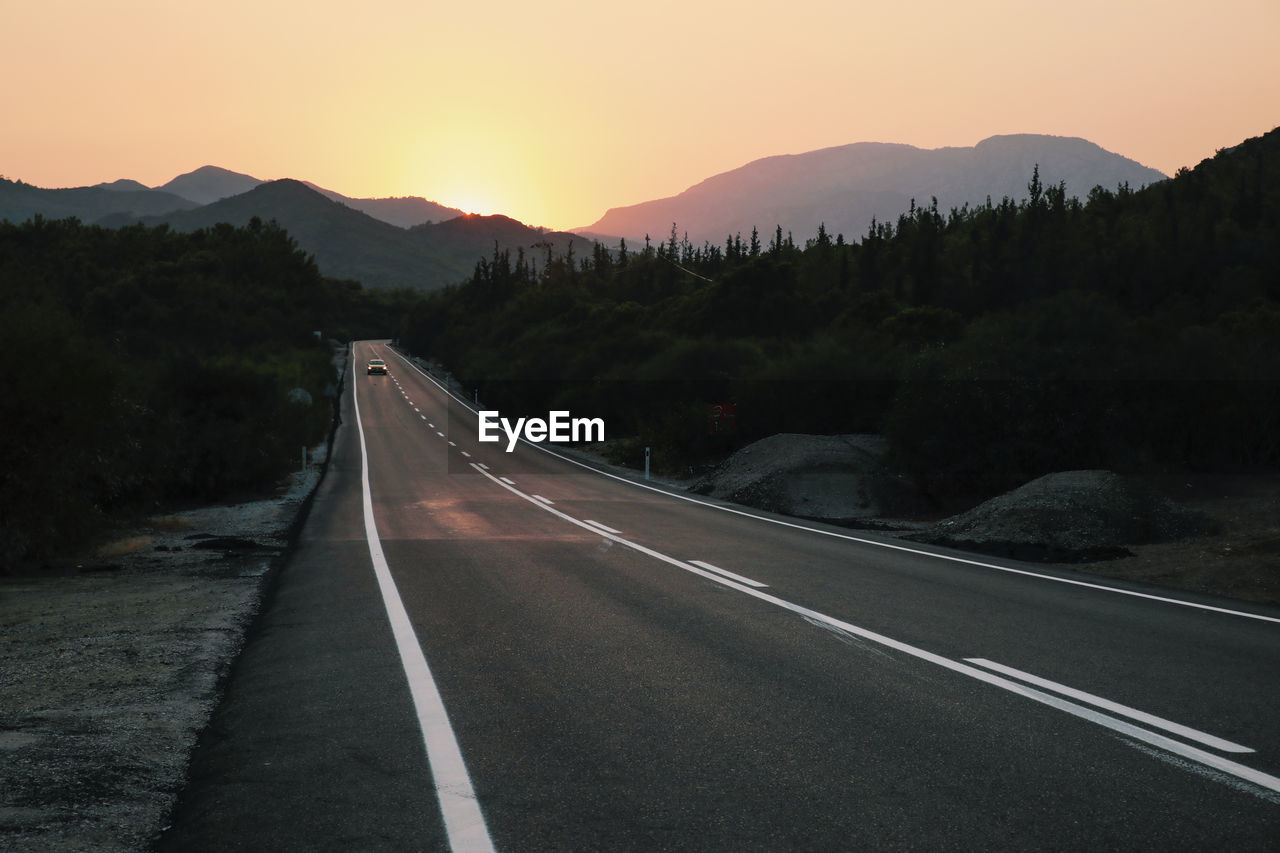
(469, 201)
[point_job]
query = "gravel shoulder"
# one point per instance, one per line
(1240, 561)
(112, 668)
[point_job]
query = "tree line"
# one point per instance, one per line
(151, 368)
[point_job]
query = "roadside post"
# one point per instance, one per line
(646, 463)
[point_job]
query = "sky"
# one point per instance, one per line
(552, 112)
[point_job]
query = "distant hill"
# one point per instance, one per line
(123, 184)
(404, 212)
(350, 244)
(383, 243)
(846, 186)
(20, 202)
(209, 184)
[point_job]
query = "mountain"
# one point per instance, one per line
(206, 185)
(209, 184)
(123, 184)
(350, 244)
(20, 202)
(846, 186)
(405, 212)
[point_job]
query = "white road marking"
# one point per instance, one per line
(606, 528)
(546, 501)
(466, 454)
(415, 408)
(889, 545)
(729, 574)
(508, 482)
(1200, 756)
(463, 820)
(451, 444)
(439, 433)
(433, 426)
(1115, 708)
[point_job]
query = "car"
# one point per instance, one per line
(377, 365)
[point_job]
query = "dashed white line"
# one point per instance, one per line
(508, 482)
(451, 444)
(1115, 708)
(466, 454)
(439, 433)
(729, 574)
(1200, 756)
(546, 501)
(606, 528)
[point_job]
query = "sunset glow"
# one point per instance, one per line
(554, 112)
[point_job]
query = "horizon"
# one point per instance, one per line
(552, 116)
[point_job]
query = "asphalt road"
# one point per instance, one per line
(604, 691)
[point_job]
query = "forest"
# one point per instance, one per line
(152, 368)
(1131, 330)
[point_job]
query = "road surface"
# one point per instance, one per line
(472, 649)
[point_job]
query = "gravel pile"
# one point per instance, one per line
(1069, 517)
(838, 478)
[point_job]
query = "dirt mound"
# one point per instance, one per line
(1069, 517)
(830, 477)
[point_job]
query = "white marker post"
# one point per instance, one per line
(646, 463)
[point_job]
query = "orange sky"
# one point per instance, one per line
(553, 111)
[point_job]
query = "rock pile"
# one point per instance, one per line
(1070, 516)
(838, 478)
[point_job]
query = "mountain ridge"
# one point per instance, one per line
(348, 243)
(846, 186)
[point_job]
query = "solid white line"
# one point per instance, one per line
(1115, 708)
(546, 501)
(1155, 739)
(729, 574)
(463, 819)
(606, 528)
(893, 547)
